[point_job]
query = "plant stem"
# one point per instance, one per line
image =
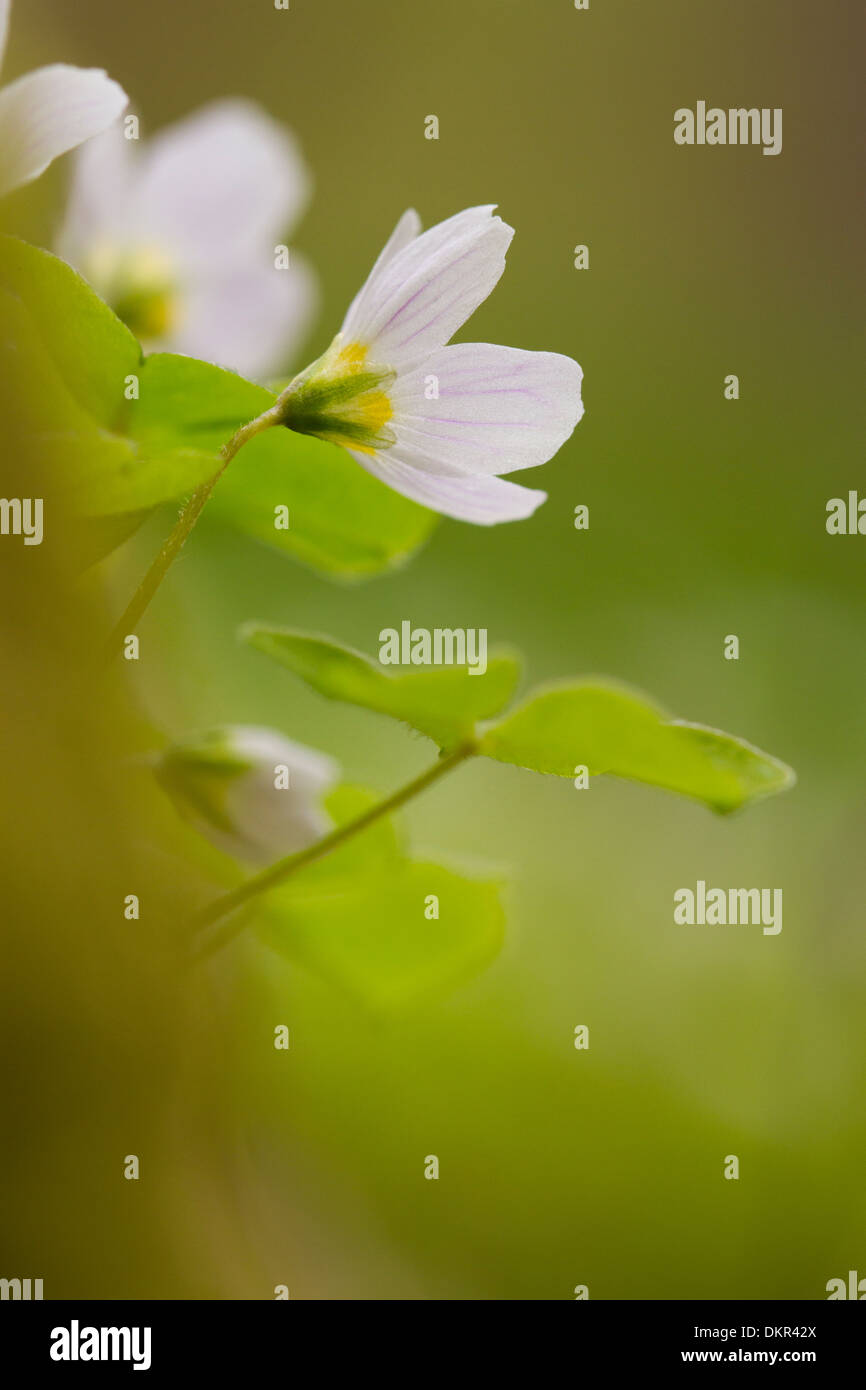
(284, 868)
(187, 519)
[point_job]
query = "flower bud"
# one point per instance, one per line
(253, 793)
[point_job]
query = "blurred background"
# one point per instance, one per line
(558, 1167)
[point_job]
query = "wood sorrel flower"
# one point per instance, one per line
(181, 237)
(251, 792)
(438, 423)
(49, 111)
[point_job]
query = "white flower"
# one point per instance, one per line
(438, 423)
(250, 791)
(180, 236)
(49, 111)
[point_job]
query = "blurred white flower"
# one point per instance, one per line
(250, 791)
(438, 423)
(180, 236)
(49, 111)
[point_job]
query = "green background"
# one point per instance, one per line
(558, 1167)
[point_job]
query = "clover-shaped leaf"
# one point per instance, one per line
(609, 728)
(385, 927)
(443, 702)
(595, 724)
(379, 939)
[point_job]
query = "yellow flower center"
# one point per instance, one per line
(342, 397)
(140, 285)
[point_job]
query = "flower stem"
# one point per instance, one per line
(187, 519)
(285, 868)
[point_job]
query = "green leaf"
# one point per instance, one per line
(357, 917)
(341, 520)
(376, 851)
(443, 702)
(375, 941)
(611, 729)
(91, 349)
(185, 401)
(88, 469)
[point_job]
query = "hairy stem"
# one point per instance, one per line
(284, 868)
(187, 519)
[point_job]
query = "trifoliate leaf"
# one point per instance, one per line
(443, 702)
(374, 852)
(383, 927)
(611, 729)
(418, 930)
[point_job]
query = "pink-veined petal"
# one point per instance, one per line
(405, 232)
(47, 112)
(482, 500)
(498, 409)
(429, 288)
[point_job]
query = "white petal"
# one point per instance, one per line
(5, 6)
(241, 809)
(271, 821)
(220, 184)
(475, 219)
(99, 196)
(485, 501)
(48, 112)
(249, 319)
(429, 288)
(405, 232)
(312, 772)
(499, 409)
